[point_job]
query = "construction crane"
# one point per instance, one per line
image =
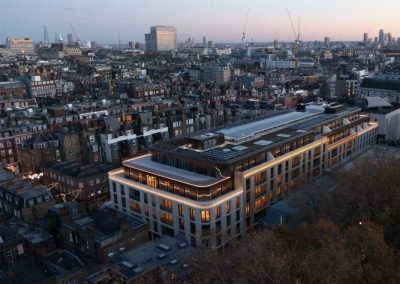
(76, 36)
(245, 27)
(296, 33)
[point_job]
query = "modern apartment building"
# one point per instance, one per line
(214, 186)
(161, 38)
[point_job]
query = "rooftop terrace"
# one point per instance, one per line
(144, 163)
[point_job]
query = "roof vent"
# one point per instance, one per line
(283, 135)
(239, 148)
(263, 142)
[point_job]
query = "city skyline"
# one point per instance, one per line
(220, 21)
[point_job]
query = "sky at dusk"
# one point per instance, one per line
(219, 20)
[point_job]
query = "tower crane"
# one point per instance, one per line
(245, 27)
(76, 36)
(296, 33)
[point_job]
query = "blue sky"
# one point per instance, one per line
(219, 20)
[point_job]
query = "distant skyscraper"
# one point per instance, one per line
(365, 39)
(389, 38)
(58, 38)
(70, 39)
(130, 44)
(161, 38)
(204, 41)
(381, 36)
(46, 40)
(327, 42)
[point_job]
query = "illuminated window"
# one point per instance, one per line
(237, 202)
(151, 181)
(166, 204)
(165, 185)
(180, 209)
(205, 216)
(247, 209)
(192, 214)
(260, 178)
(135, 207)
(228, 207)
(261, 202)
(166, 218)
(259, 190)
(217, 212)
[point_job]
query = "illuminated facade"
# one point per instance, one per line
(20, 45)
(213, 187)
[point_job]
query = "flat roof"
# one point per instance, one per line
(145, 163)
(11, 83)
(245, 131)
(166, 252)
(263, 134)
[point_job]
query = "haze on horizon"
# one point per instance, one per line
(106, 21)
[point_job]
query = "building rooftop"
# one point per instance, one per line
(41, 137)
(261, 135)
(31, 270)
(63, 262)
(12, 84)
(167, 252)
(22, 188)
(77, 169)
(105, 224)
(145, 163)
(243, 132)
(7, 234)
(230, 152)
(371, 83)
(376, 102)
